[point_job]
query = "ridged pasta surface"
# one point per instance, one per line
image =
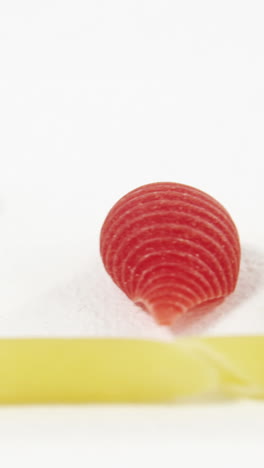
(171, 248)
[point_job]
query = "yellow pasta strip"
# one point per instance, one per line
(128, 370)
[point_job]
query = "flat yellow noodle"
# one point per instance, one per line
(128, 370)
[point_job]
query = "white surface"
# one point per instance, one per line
(147, 436)
(96, 99)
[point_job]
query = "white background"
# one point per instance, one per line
(97, 98)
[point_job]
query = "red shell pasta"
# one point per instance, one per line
(171, 248)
